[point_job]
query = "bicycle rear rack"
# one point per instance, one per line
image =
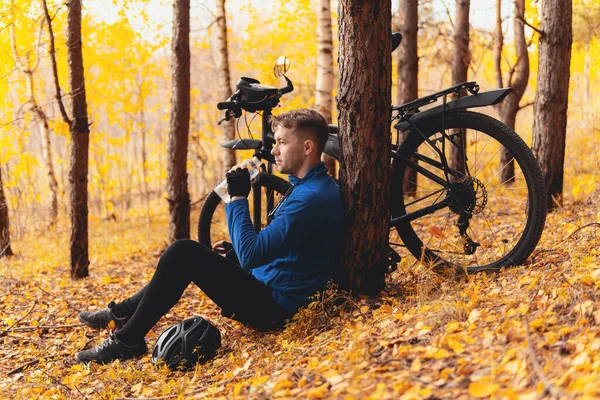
(471, 87)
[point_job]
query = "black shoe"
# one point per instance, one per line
(100, 319)
(111, 349)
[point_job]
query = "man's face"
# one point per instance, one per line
(289, 151)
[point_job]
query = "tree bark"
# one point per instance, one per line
(498, 44)
(586, 76)
(408, 72)
(551, 102)
(509, 108)
(39, 117)
(325, 77)
(364, 116)
(177, 146)
(143, 149)
(460, 66)
(224, 82)
(80, 135)
(5, 249)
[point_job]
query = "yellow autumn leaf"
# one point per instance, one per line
(482, 388)
(318, 392)
(283, 384)
(455, 345)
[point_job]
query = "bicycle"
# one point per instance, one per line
(462, 218)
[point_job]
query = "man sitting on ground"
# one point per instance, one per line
(281, 267)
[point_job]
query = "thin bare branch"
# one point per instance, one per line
(10, 328)
(539, 32)
(52, 52)
(537, 368)
(526, 105)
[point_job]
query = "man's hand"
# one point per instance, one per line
(222, 247)
(238, 182)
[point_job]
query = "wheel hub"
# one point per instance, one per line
(468, 195)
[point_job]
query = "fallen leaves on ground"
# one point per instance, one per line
(525, 333)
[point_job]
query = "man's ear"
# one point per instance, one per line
(309, 146)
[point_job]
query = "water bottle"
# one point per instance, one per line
(253, 166)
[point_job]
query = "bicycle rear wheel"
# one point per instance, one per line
(505, 219)
(212, 224)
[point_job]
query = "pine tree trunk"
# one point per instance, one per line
(460, 66)
(364, 116)
(324, 97)
(510, 106)
(80, 135)
(224, 82)
(177, 146)
(551, 102)
(408, 72)
(5, 249)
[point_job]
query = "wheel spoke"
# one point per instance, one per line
(498, 222)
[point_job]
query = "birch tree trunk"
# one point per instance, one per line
(5, 249)
(224, 81)
(551, 102)
(177, 146)
(518, 80)
(144, 152)
(408, 71)
(460, 66)
(39, 116)
(80, 135)
(364, 116)
(498, 44)
(325, 77)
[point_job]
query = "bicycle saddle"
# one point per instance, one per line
(253, 92)
(332, 147)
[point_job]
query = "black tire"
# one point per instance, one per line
(212, 225)
(512, 216)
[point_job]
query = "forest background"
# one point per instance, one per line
(127, 67)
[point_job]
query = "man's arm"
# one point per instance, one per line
(278, 238)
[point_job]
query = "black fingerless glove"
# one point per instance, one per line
(238, 182)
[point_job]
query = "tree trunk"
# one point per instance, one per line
(47, 154)
(177, 146)
(224, 82)
(498, 44)
(460, 65)
(408, 72)
(144, 155)
(586, 76)
(39, 117)
(551, 102)
(5, 249)
(364, 115)
(324, 97)
(510, 106)
(80, 135)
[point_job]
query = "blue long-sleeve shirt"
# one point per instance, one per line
(296, 254)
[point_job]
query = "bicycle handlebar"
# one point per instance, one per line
(226, 105)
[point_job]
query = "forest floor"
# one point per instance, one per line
(528, 332)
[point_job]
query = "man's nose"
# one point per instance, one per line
(273, 150)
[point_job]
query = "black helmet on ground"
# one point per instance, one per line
(191, 341)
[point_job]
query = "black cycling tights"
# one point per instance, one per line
(236, 291)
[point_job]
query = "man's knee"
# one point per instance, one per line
(185, 249)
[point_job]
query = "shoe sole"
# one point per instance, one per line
(90, 324)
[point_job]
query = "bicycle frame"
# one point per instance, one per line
(409, 117)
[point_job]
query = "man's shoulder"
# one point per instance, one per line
(323, 193)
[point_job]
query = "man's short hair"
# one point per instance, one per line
(310, 124)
